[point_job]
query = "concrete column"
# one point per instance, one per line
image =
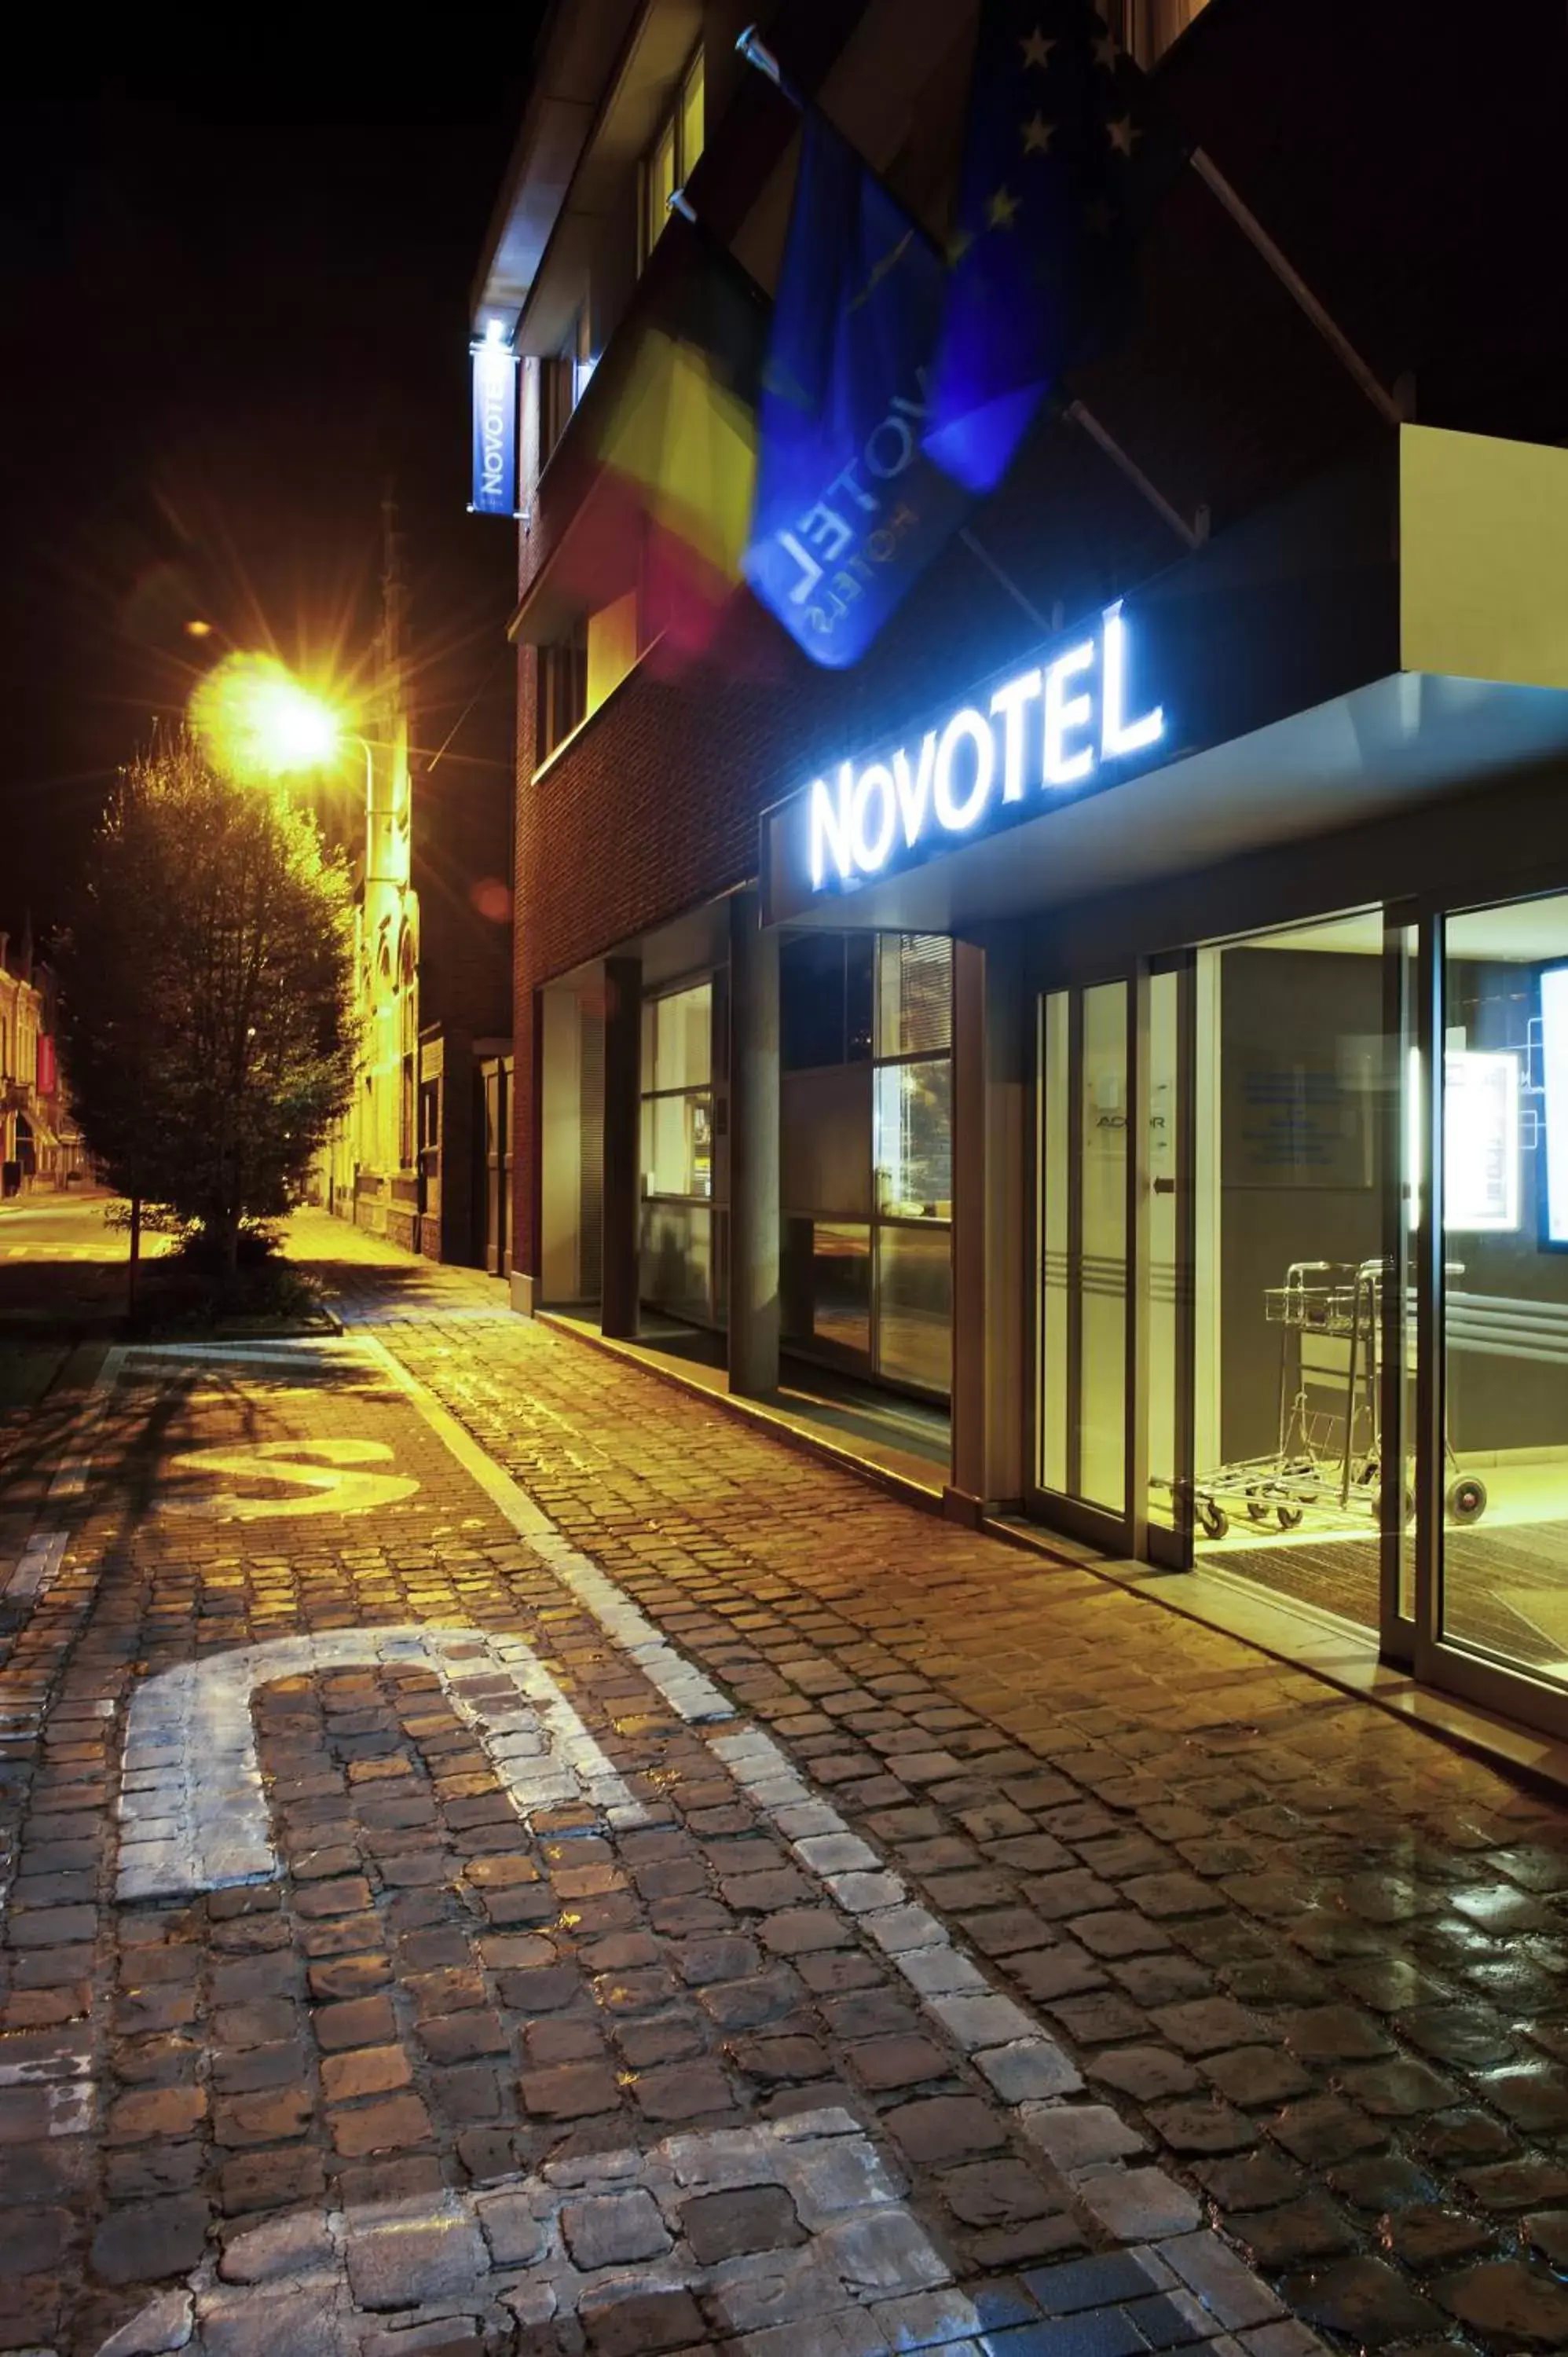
(622, 1145)
(753, 1150)
(989, 1397)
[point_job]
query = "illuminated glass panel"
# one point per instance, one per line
(692, 118)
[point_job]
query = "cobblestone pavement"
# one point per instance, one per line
(503, 1857)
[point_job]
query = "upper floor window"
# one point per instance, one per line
(672, 155)
(562, 691)
(562, 380)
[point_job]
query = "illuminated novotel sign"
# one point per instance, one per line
(1044, 730)
(494, 369)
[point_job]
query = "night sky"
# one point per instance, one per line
(231, 312)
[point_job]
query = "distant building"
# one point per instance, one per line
(433, 969)
(39, 1144)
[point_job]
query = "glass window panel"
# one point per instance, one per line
(913, 1306)
(677, 1145)
(683, 1039)
(692, 118)
(1294, 1078)
(661, 183)
(1056, 1374)
(826, 1286)
(1103, 1271)
(913, 1146)
(914, 995)
(810, 1001)
(1504, 1216)
(675, 1257)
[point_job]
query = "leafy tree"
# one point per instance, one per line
(207, 995)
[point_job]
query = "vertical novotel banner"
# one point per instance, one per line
(495, 428)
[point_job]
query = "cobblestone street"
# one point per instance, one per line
(503, 1856)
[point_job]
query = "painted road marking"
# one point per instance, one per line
(193, 1812)
(214, 1826)
(334, 1488)
(38, 1567)
(690, 1694)
(531, 2250)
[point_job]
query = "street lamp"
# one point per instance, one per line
(259, 724)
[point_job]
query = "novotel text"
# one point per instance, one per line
(1047, 729)
(495, 373)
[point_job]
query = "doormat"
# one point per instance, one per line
(1506, 1591)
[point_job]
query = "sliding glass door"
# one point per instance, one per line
(1114, 1261)
(1492, 1521)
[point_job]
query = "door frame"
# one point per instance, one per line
(1509, 1690)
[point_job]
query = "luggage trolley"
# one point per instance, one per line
(1329, 1452)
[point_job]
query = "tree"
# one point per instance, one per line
(207, 995)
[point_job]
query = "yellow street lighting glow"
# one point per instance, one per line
(255, 721)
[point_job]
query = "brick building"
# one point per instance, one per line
(1169, 1139)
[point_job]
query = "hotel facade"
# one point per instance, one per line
(1101, 1061)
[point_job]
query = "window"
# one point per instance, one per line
(563, 381)
(562, 691)
(825, 998)
(408, 1059)
(865, 1159)
(913, 1105)
(672, 155)
(677, 1096)
(676, 1270)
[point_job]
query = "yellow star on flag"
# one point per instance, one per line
(1037, 49)
(1037, 134)
(1123, 134)
(1001, 208)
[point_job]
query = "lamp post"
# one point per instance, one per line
(262, 725)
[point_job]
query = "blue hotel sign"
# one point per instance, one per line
(494, 367)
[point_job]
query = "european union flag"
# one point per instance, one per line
(1064, 160)
(849, 510)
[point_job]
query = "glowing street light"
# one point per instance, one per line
(257, 722)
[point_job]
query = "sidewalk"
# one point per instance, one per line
(504, 1860)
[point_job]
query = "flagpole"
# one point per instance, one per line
(756, 53)
(1193, 533)
(1296, 287)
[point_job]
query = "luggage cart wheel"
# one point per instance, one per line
(1257, 1508)
(1288, 1517)
(1467, 1499)
(1214, 1520)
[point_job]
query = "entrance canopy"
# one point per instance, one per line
(1385, 637)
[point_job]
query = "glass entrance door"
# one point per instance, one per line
(1114, 1258)
(1492, 1521)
